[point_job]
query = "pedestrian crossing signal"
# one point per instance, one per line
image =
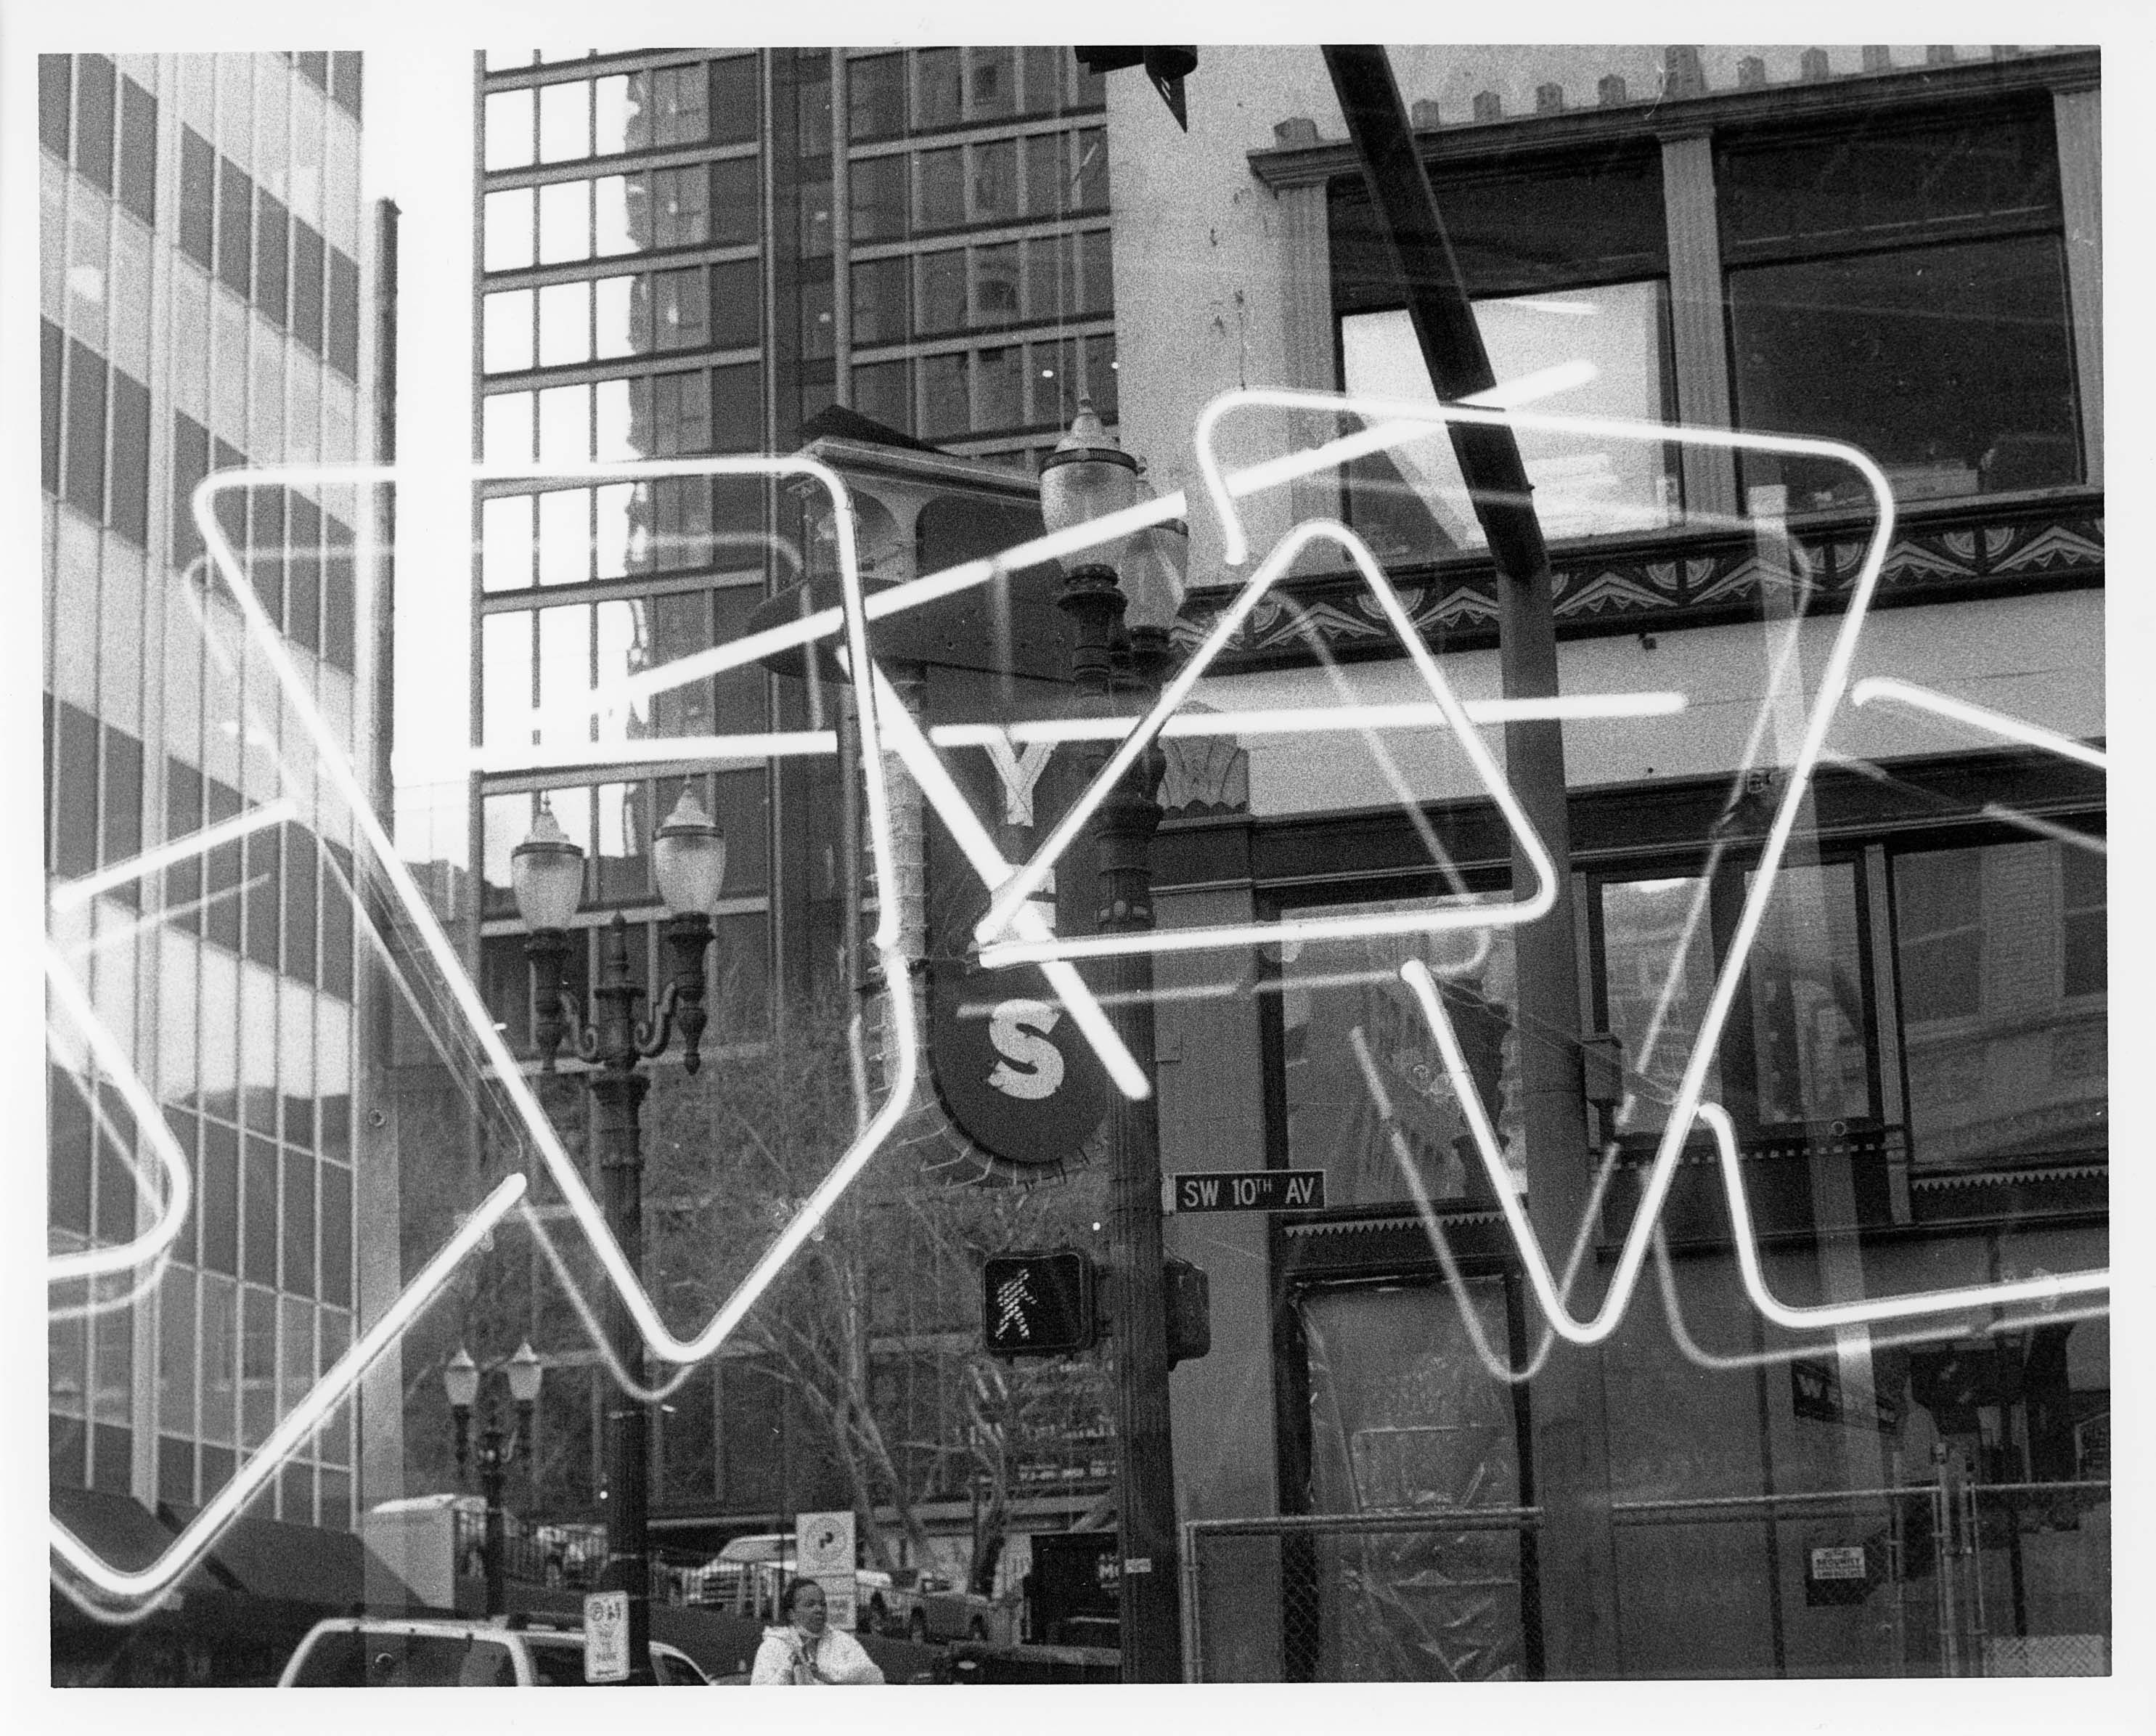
(1037, 1304)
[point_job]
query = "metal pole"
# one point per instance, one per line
(1149, 1595)
(1571, 1440)
(617, 1088)
(489, 1467)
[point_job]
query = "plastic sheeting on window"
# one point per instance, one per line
(1404, 1418)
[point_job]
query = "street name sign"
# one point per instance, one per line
(606, 1636)
(1248, 1190)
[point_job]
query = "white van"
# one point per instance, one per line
(512, 1651)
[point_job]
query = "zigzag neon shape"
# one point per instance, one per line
(338, 769)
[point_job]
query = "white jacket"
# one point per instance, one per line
(788, 1657)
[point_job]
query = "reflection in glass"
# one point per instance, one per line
(1658, 961)
(1808, 1007)
(1409, 502)
(1362, 1066)
(2005, 1021)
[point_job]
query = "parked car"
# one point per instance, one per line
(361, 1651)
(930, 1610)
(737, 1577)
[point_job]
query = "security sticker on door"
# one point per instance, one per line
(1845, 1562)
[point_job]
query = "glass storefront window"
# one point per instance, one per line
(1367, 1099)
(1810, 1008)
(1658, 971)
(2005, 1031)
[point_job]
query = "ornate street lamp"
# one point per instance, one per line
(546, 873)
(1087, 476)
(460, 1381)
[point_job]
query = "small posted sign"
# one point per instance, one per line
(606, 1636)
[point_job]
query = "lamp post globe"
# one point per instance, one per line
(689, 856)
(460, 1380)
(525, 1372)
(546, 874)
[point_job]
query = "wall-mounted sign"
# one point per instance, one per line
(1248, 1190)
(1010, 1067)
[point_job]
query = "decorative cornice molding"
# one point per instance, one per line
(2062, 71)
(1999, 545)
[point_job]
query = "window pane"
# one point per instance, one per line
(995, 181)
(1355, 1041)
(1043, 78)
(564, 324)
(610, 115)
(942, 188)
(1598, 221)
(736, 209)
(220, 1361)
(991, 83)
(2003, 1069)
(1410, 503)
(818, 334)
(506, 345)
(815, 206)
(1658, 967)
(565, 121)
(680, 318)
(1096, 274)
(1952, 366)
(941, 303)
(93, 119)
(1809, 1009)
(2083, 897)
(995, 285)
(881, 392)
(877, 189)
(880, 302)
(680, 207)
(1862, 186)
(510, 119)
(1089, 174)
(737, 316)
(198, 196)
(138, 150)
(944, 409)
(876, 97)
(565, 222)
(1002, 389)
(734, 101)
(936, 88)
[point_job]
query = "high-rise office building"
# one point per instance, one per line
(703, 251)
(207, 263)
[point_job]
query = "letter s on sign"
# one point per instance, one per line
(1019, 1029)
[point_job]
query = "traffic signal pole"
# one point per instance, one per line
(1570, 1456)
(1150, 1594)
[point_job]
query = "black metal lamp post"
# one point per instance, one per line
(1086, 476)
(461, 1380)
(547, 873)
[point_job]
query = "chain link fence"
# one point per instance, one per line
(1424, 1595)
(2038, 1578)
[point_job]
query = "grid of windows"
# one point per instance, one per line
(243, 967)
